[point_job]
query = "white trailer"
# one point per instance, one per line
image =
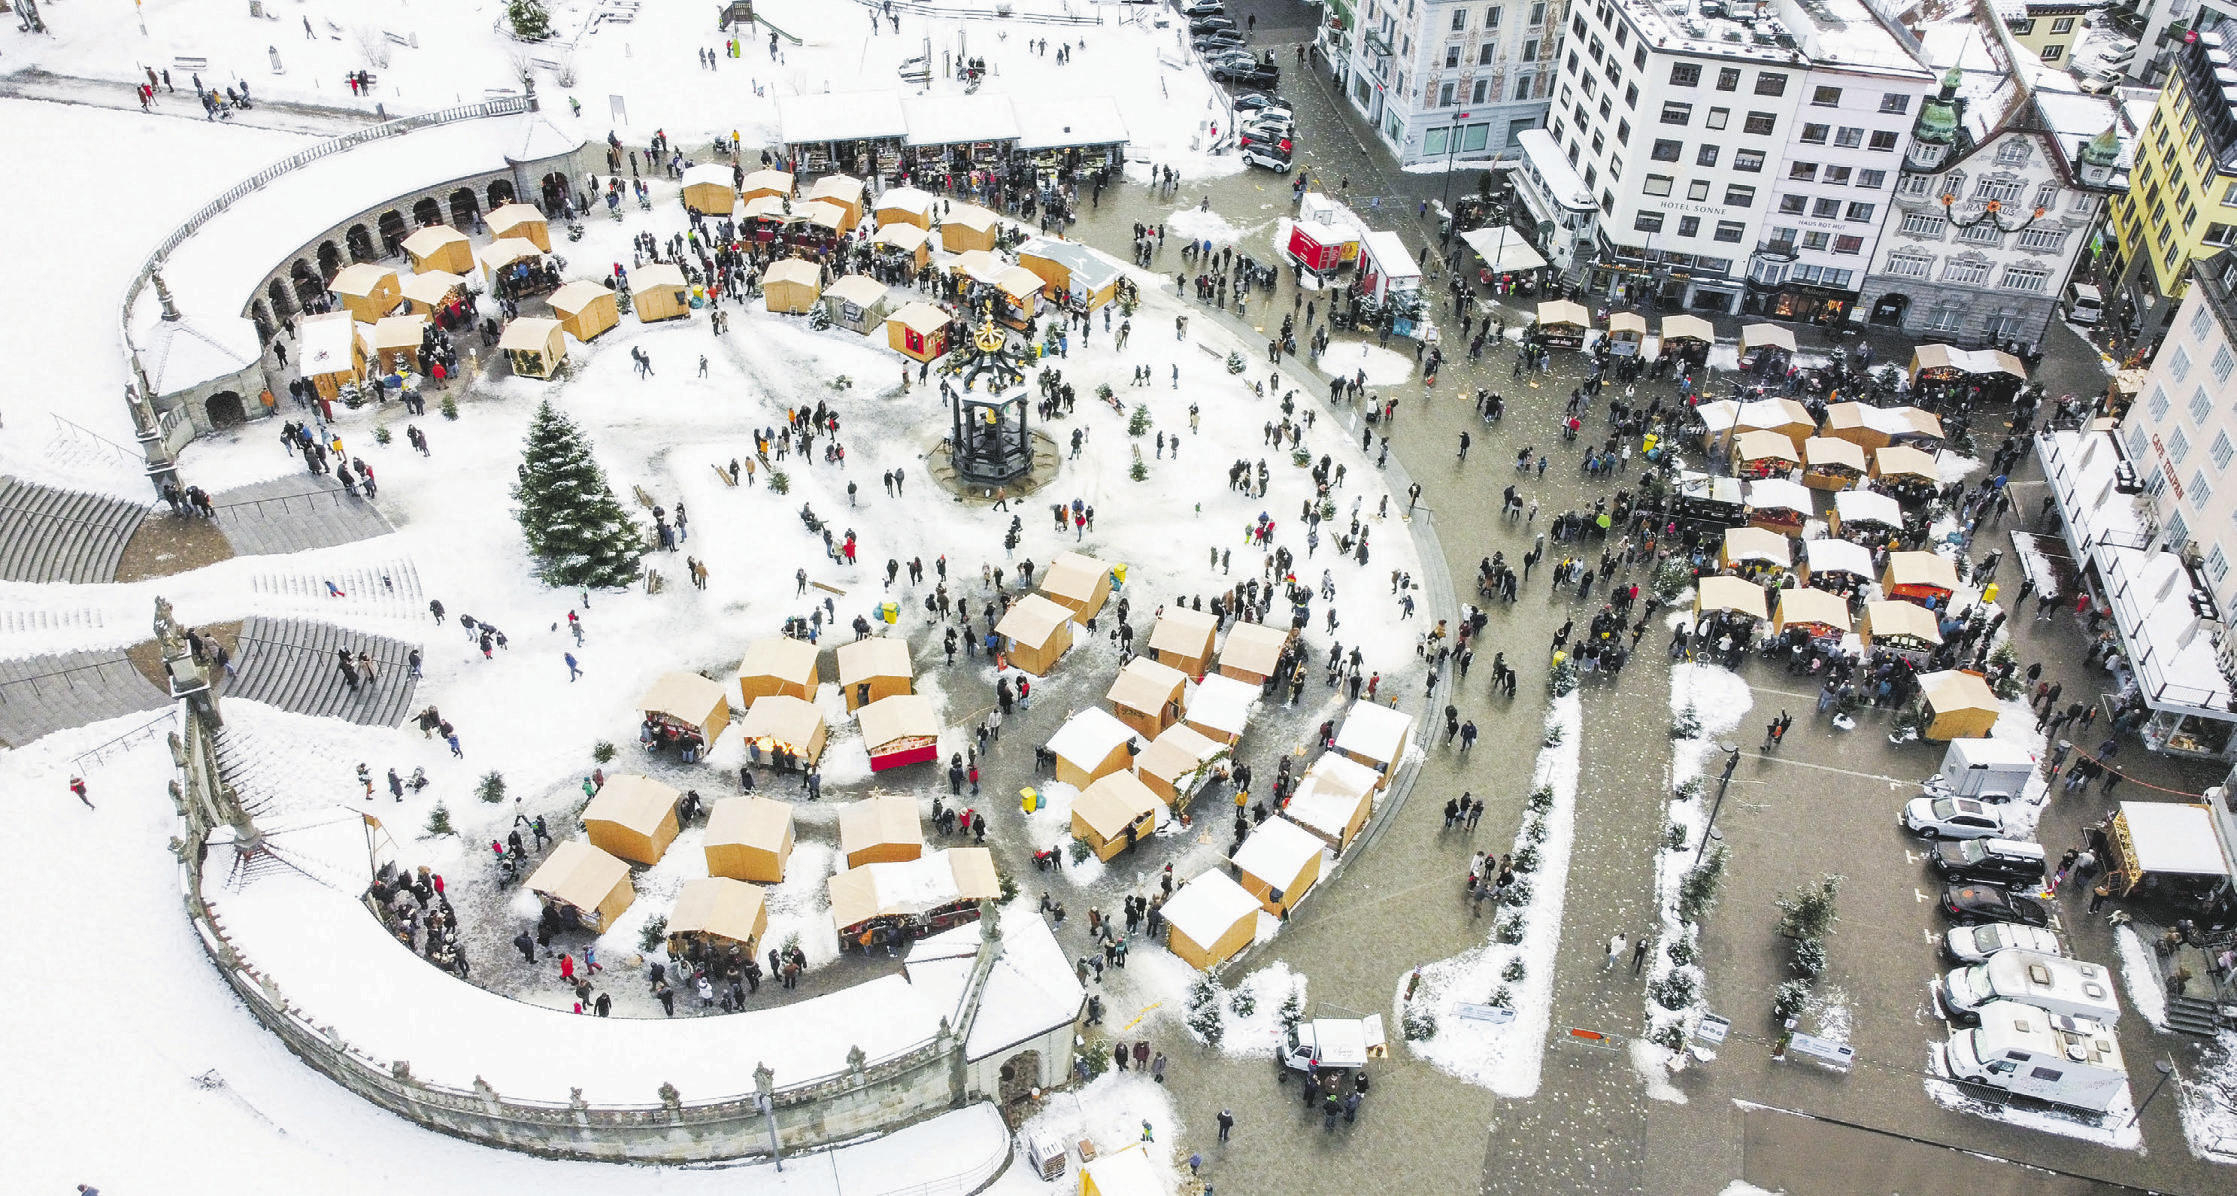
(1989, 769)
(2029, 1052)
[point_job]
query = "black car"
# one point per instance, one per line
(1217, 41)
(1247, 74)
(1253, 100)
(1210, 24)
(1996, 860)
(1972, 904)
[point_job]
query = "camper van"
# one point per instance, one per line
(2028, 1052)
(2053, 983)
(2084, 305)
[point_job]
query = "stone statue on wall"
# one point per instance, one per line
(167, 634)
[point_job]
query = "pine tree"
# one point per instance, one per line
(575, 527)
(439, 820)
(529, 20)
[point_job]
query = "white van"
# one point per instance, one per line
(2064, 986)
(2028, 1052)
(2084, 305)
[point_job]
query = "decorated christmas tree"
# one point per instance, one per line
(576, 529)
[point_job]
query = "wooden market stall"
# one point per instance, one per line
(686, 706)
(1375, 735)
(1177, 762)
(1021, 294)
(1956, 704)
(524, 221)
(904, 241)
(396, 341)
(1087, 278)
(1627, 333)
(749, 838)
(899, 731)
(2172, 852)
(918, 332)
(1864, 516)
(1114, 814)
(330, 352)
(1729, 596)
(1763, 454)
(875, 667)
(658, 291)
(880, 830)
(1830, 464)
(716, 914)
(366, 291)
(965, 227)
(499, 258)
(774, 183)
(708, 190)
(888, 902)
(1077, 582)
(764, 217)
(585, 308)
(1563, 324)
(904, 205)
(1279, 863)
(1252, 651)
(430, 291)
(1678, 330)
(1927, 578)
(1897, 463)
(535, 346)
(1915, 427)
(828, 220)
(1819, 613)
(1146, 696)
(1035, 634)
(439, 247)
(1871, 428)
(1183, 639)
(1780, 505)
(1899, 626)
(1755, 338)
(1334, 800)
(1718, 416)
(792, 285)
(1209, 919)
(858, 303)
(1837, 565)
(583, 885)
(1786, 417)
(1220, 707)
(840, 191)
(777, 665)
(1749, 548)
(1090, 745)
(632, 817)
(783, 723)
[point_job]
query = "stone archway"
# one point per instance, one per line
(361, 244)
(427, 211)
(465, 208)
(1888, 310)
(224, 409)
(500, 193)
(308, 286)
(556, 195)
(393, 231)
(261, 316)
(283, 304)
(1021, 1074)
(329, 261)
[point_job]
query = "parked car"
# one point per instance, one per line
(1275, 152)
(1972, 944)
(1952, 818)
(1203, 8)
(1210, 24)
(1969, 904)
(2004, 861)
(1259, 99)
(1247, 73)
(1269, 115)
(1223, 39)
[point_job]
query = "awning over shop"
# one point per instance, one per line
(1760, 336)
(1730, 595)
(1503, 248)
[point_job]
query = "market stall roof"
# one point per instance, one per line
(921, 317)
(1735, 594)
(1838, 556)
(905, 237)
(830, 215)
(1032, 620)
(1821, 451)
(1277, 850)
(577, 295)
(656, 276)
(980, 264)
(1503, 248)
(2174, 837)
(901, 716)
(1776, 414)
(1145, 685)
(1222, 703)
(840, 116)
(879, 821)
(1914, 421)
(1019, 282)
(1757, 336)
(1867, 506)
(1186, 632)
(686, 696)
(719, 906)
(1330, 797)
(842, 189)
(1091, 269)
(958, 119)
(916, 886)
(1977, 362)
(780, 656)
(1801, 604)
(430, 240)
(636, 803)
(782, 717)
(1954, 689)
(1375, 731)
(1176, 752)
(1209, 905)
(1562, 311)
(1896, 461)
(1781, 494)
(433, 286)
(360, 278)
(511, 216)
(1906, 619)
(1341, 773)
(1758, 544)
(971, 216)
(861, 289)
(504, 252)
(578, 874)
(1254, 648)
(776, 181)
(1089, 735)
(398, 332)
(768, 207)
(904, 199)
(1073, 575)
(1765, 445)
(1939, 357)
(1687, 328)
(873, 657)
(749, 821)
(1718, 415)
(797, 270)
(1056, 122)
(1627, 321)
(327, 344)
(1921, 569)
(531, 334)
(1113, 803)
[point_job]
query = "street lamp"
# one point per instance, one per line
(2166, 1072)
(1731, 752)
(1452, 147)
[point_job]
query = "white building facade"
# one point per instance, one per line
(1451, 80)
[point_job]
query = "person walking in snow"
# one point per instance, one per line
(574, 670)
(1616, 947)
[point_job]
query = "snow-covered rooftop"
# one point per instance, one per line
(1030, 990)
(1277, 850)
(1204, 908)
(1089, 735)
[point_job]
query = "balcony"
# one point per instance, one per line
(1784, 251)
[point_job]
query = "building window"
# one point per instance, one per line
(1730, 230)
(1965, 273)
(2178, 532)
(1984, 233)
(1837, 176)
(1685, 74)
(1666, 150)
(1816, 134)
(1675, 113)
(1631, 97)
(2178, 363)
(2178, 446)
(1793, 205)
(1522, 88)
(1871, 180)
(1739, 196)
(2025, 278)
(1689, 226)
(2224, 362)
(1623, 132)
(1826, 97)
(2000, 190)
(1697, 190)
(1459, 20)
(1486, 53)
(1658, 184)
(1605, 109)
(2021, 26)
(2053, 53)
(2201, 323)
(1491, 17)
(1848, 138)
(1728, 78)
(1802, 172)
(1718, 118)
(1914, 184)
(2138, 438)
(2217, 565)
(2013, 152)
(2041, 238)
(1859, 212)
(1924, 224)
(1894, 103)
(1647, 222)
(1452, 57)
(2200, 407)
(1826, 209)
(1706, 155)
(1445, 95)
(1814, 240)
(1481, 90)
(1748, 160)
(1848, 243)
(2061, 24)
(1530, 50)
(1909, 264)
(1769, 84)
(2222, 450)
(1538, 14)
(1760, 124)
(2157, 404)
(1883, 140)
(2217, 234)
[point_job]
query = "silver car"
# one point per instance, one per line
(1952, 818)
(1972, 944)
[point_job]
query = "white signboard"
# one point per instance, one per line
(1485, 1013)
(1839, 1054)
(1713, 1029)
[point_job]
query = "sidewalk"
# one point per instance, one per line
(320, 119)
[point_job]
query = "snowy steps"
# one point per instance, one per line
(296, 513)
(43, 694)
(68, 623)
(2189, 1015)
(47, 534)
(291, 664)
(387, 589)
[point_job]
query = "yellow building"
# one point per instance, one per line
(2181, 203)
(2050, 28)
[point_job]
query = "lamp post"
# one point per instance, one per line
(1452, 147)
(2166, 1073)
(1731, 761)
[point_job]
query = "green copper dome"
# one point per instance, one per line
(2103, 149)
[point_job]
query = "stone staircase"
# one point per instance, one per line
(2189, 1015)
(295, 514)
(44, 694)
(291, 664)
(62, 535)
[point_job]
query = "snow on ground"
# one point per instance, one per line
(1384, 367)
(1202, 224)
(2141, 972)
(1741, 1187)
(1506, 1058)
(1110, 1112)
(1712, 701)
(2208, 1095)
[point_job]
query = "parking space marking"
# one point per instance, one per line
(1893, 782)
(1921, 896)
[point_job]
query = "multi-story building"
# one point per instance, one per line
(1741, 153)
(2047, 29)
(1452, 80)
(2182, 204)
(2151, 517)
(2007, 170)
(2161, 27)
